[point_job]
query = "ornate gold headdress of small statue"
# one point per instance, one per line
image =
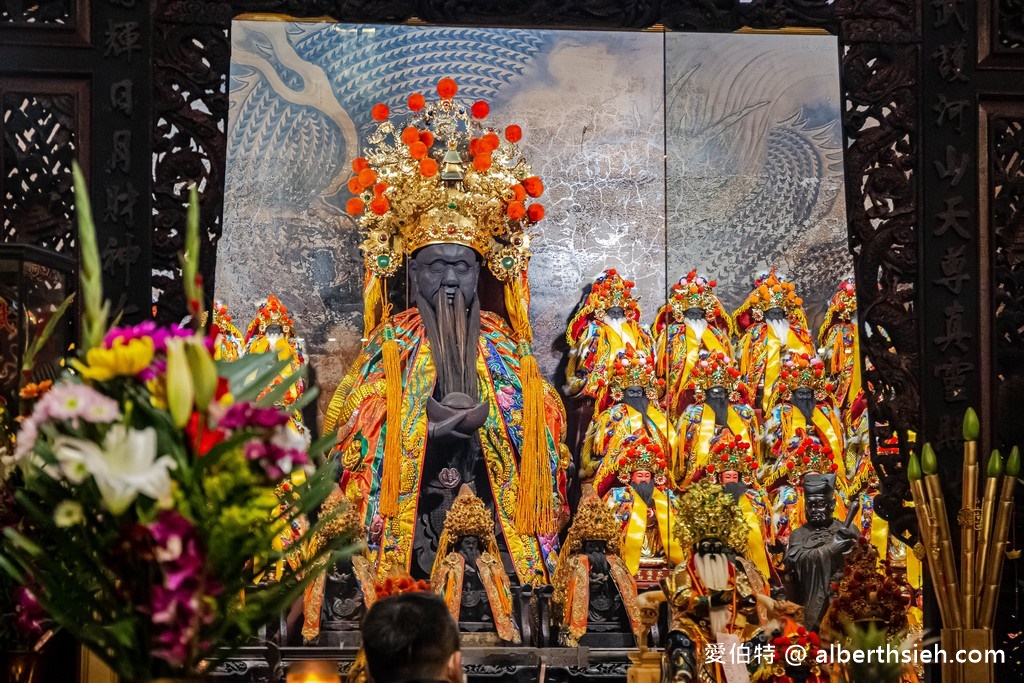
(468, 516)
(869, 590)
(841, 307)
(714, 369)
(770, 291)
(802, 371)
(271, 312)
(696, 291)
(610, 290)
(441, 176)
(731, 454)
(705, 510)
(641, 454)
(632, 368)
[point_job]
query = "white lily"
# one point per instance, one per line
(126, 466)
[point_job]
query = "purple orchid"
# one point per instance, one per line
(277, 461)
(242, 415)
(31, 619)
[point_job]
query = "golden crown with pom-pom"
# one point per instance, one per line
(842, 306)
(772, 291)
(271, 312)
(632, 368)
(705, 510)
(731, 454)
(468, 516)
(641, 454)
(714, 370)
(802, 455)
(611, 290)
(803, 371)
(696, 291)
(441, 176)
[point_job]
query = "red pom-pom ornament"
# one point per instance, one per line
(480, 109)
(380, 112)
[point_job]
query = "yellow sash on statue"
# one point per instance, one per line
(826, 427)
(706, 434)
(637, 528)
(772, 365)
(855, 379)
(756, 552)
(693, 348)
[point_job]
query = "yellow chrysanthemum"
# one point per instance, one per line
(122, 359)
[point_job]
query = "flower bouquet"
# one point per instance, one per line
(149, 480)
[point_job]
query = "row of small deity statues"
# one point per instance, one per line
(684, 403)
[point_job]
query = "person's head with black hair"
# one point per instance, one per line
(412, 637)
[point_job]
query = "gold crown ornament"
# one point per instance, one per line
(610, 290)
(696, 291)
(632, 368)
(803, 455)
(271, 312)
(641, 454)
(801, 371)
(869, 590)
(731, 454)
(842, 306)
(770, 291)
(715, 369)
(441, 176)
(594, 521)
(705, 510)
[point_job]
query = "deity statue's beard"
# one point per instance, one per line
(471, 556)
(453, 330)
(713, 570)
(781, 329)
(698, 325)
(720, 406)
(640, 404)
(644, 489)
(598, 563)
(806, 407)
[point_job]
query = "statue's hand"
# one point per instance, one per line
(721, 598)
(456, 416)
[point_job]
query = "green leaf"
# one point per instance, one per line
(95, 310)
(37, 344)
(276, 392)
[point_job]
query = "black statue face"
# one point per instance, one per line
(693, 314)
(445, 269)
(710, 546)
(469, 548)
(819, 508)
(803, 398)
(717, 394)
(774, 314)
(615, 313)
(634, 392)
(592, 547)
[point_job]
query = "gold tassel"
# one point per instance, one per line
(393, 439)
(373, 296)
(535, 505)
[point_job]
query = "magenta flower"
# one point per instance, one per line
(275, 460)
(243, 415)
(177, 549)
(31, 619)
(147, 328)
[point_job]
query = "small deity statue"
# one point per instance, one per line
(692, 324)
(713, 596)
(733, 466)
(229, 340)
(773, 323)
(643, 504)
(803, 403)
(468, 572)
(839, 341)
(593, 587)
(814, 557)
(605, 324)
(634, 389)
(344, 592)
(444, 393)
(720, 408)
(273, 330)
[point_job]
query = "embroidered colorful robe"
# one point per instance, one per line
(761, 355)
(575, 602)
(678, 350)
(496, 584)
(631, 511)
